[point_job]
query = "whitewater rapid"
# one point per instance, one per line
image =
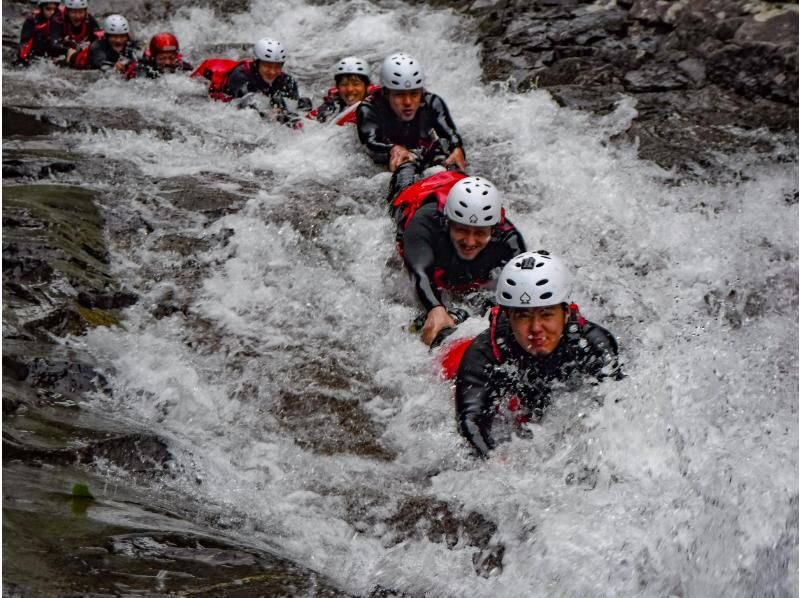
(680, 479)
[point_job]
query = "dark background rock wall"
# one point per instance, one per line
(698, 69)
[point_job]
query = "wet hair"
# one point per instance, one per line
(338, 78)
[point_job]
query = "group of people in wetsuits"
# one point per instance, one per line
(463, 255)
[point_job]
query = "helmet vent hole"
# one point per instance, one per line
(511, 282)
(546, 295)
(507, 296)
(463, 204)
(540, 264)
(541, 282)
(487, 208)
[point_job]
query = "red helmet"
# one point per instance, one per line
(163, 42)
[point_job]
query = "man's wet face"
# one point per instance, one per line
(405, 103)
(538, 330)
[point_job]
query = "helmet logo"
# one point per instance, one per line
(473, 219)
(525, 298)
(408, 84)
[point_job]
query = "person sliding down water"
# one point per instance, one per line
(406, 127)
(455, 249)
(351, 77)
(536, 336)
(265, 77)
(162, 56)
(115, 51)
(72, 30)
(34, 39)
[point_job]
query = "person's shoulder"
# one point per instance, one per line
(479, 355)
(427, 217)
(599, 337)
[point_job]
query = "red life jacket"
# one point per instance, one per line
(218, 71)
(452, 357)
(42, 28)
(348, 115)
(413, 196)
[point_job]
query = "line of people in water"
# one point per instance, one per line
(463, 255)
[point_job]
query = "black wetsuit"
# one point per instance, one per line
(433, 263)
(379, 128)
(34, 39)
(495, 369)
(244, 79)
(102, 56)
(146, 67)
(63, 36)
(332, 105)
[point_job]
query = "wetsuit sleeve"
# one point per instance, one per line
(326, 110)
(512, 239)
(291, 90)
(28, 28)
(474, 395)
(238, 83)
(369, 133)
(98, 59)
(418, 254)
(444, 125)
(600, 353)
(58, 47)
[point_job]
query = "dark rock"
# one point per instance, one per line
(760, 70)
(780, 29)
(655, 78)
(138, 453)
(423, 516)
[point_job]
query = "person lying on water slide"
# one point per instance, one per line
(454, 247)
(35, 37)
(536, 336)
(162, 56)
(72, 30)
(265, 76)
(115, 51)
(351, 77)
(406, 127)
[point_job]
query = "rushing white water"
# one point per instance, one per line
(679, 480)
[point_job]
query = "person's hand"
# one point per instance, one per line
(437, 319)
(121, 66)
(399, 155)
(457, 157)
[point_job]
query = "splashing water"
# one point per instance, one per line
(292, 397)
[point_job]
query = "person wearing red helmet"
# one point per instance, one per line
(72, 30)
(162, 56)
(35, 37)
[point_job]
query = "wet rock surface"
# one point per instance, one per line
(62, 543)
(705, 74)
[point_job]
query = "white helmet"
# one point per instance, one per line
(352, 65)
(473, 201)
(116, 25)
(534, 279)
(402, 72)
(75, 4)
(269, 50)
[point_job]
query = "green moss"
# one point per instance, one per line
(97, 317)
